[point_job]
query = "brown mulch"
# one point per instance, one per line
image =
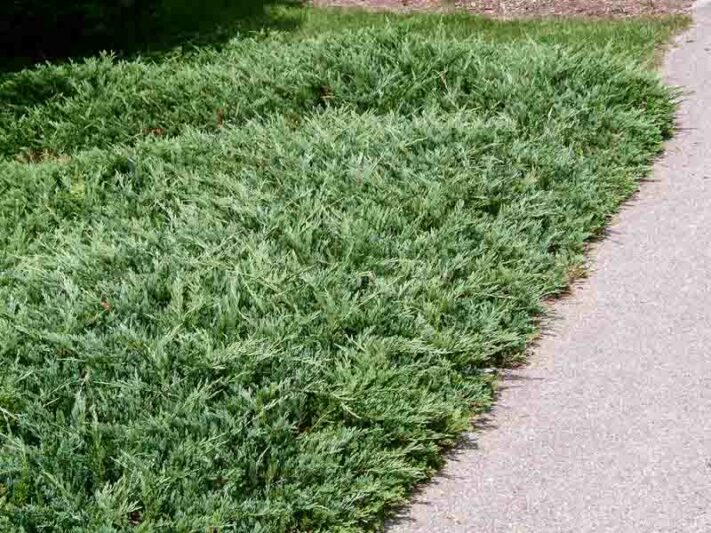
(527, 8)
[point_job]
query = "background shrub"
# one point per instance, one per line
(34, 30)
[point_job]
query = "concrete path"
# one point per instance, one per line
(609, 429)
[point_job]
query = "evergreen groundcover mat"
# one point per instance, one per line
(261, 287)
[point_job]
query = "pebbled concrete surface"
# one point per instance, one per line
(609, 428)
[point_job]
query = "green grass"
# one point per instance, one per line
(260, 287)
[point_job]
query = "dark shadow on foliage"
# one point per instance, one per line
(50, 30)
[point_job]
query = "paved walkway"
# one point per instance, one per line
(609, 429)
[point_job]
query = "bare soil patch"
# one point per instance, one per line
(527, 8)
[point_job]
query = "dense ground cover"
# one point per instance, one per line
(260, 287)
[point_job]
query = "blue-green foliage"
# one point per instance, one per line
(260, 288)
